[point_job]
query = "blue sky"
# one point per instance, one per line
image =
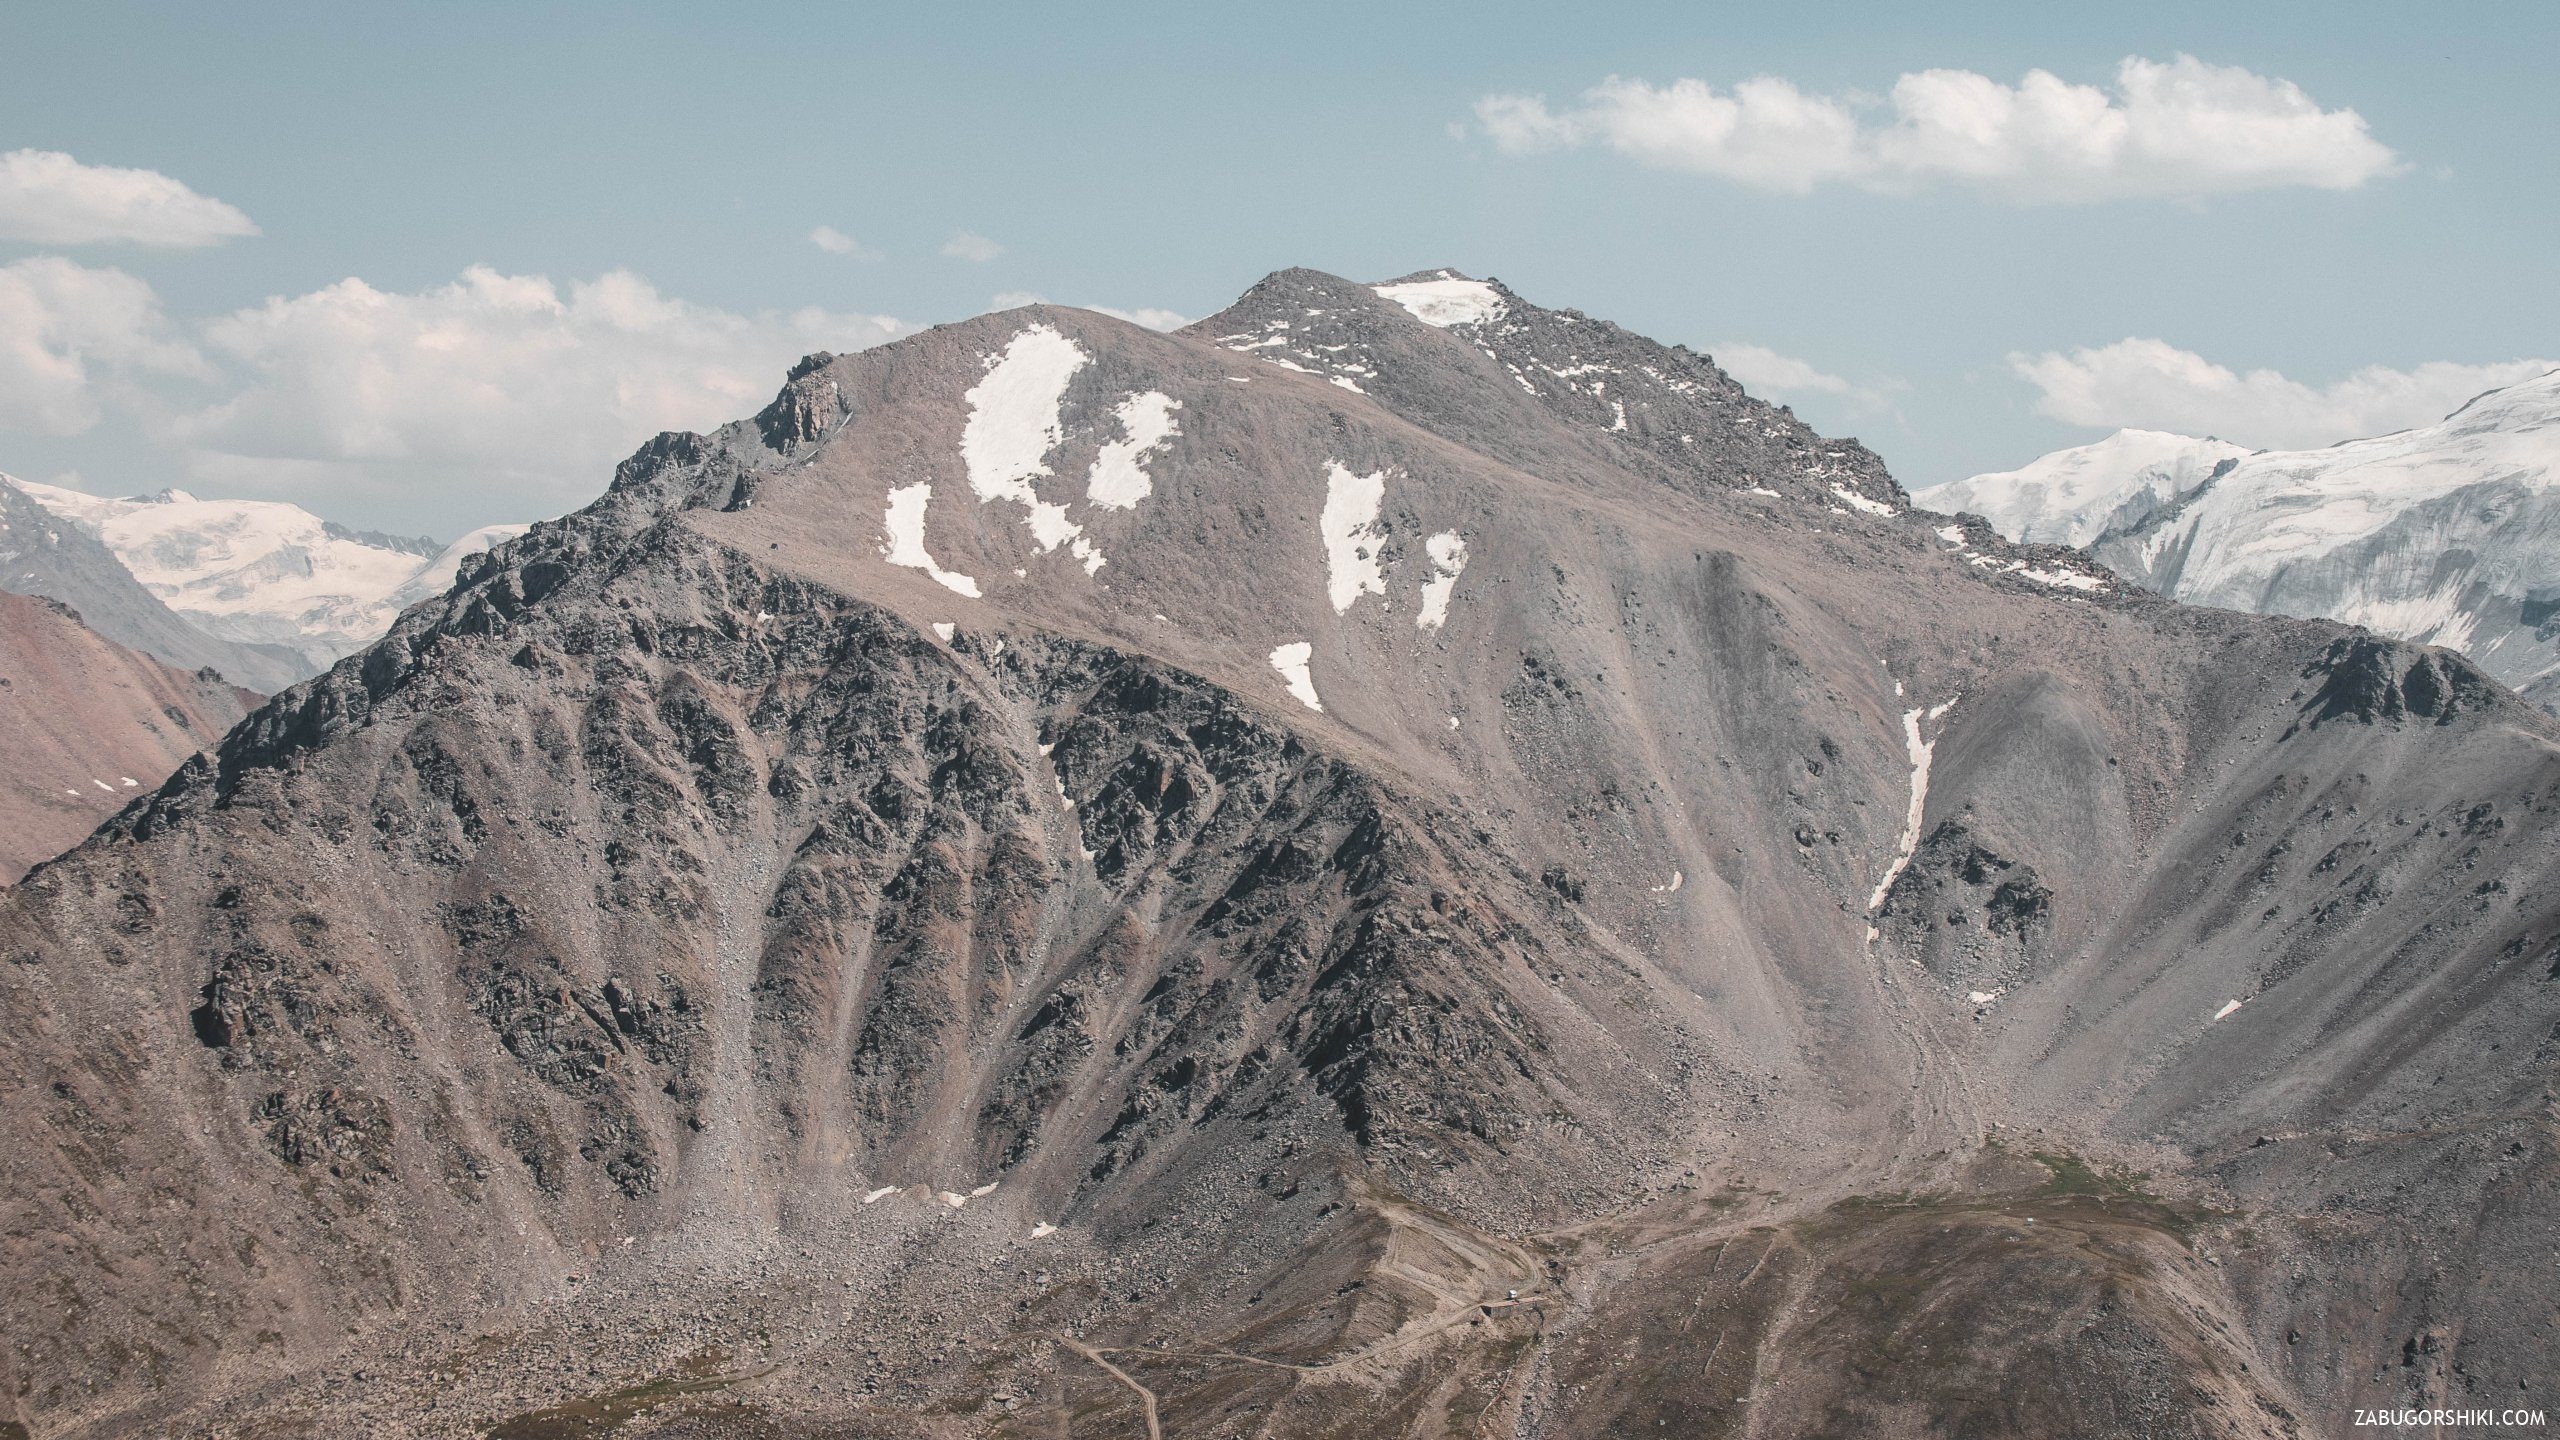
(1163, 157)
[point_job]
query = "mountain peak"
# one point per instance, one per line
(1265, 838)
(1446, 299)
(2072, 496)
(1473, 360)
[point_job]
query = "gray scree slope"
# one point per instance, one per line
(865, 930)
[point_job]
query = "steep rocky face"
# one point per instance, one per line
(1064, 875)
(88, 726)
(1537, 389)
(43, 554)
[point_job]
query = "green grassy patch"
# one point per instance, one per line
(605, 1413)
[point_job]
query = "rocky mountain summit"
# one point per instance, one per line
(1395, 862)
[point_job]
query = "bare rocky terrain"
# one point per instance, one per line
(1394, 863)
(87, 725)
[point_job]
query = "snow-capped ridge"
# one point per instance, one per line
(2445, 534)
(265, 571)
(2074, 495)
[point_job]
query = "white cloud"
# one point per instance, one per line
(1149, 316)
(1766, 132)
(51, 199)
(2179, 129)
(836, 242)
(1766, 371)
(2153, 385)
(500, 391)
(969, 245)
(1759, 367)
(67, 332)
(1152, 317)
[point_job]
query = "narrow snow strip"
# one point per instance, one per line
(2062, 579)
(1014, 424)
(1984, 997)
(1448, 552)
(883, 1193)
(1291, 660)
(906, 537)
(1952, 534)
(1919, 750)
(955, 1201)
(1677, 880)
(1044, 1228)
(987, 1189)
(1119, 479)
(946, 630)
(1351, 534)
(1447, 301)
(2227, 1008)
(1872, 507)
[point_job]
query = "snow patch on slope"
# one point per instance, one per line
(1919, 750)
(1861, 502)
(1352, 536)
(1119, 479)
(1448, 552)
(1293, 661)
(1014, 422)
(906, 538)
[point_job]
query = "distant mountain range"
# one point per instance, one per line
(263, 573)
(44, 554)
(2448, 534)
(2071, 497)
